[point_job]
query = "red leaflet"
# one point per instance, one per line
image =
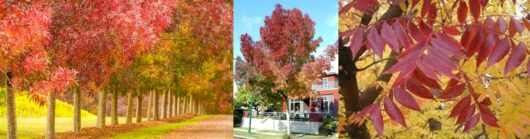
(405, 99)
(368, 109)
(451, 30)
(474, 6)
(452, 91)
(432, 14)
(403, 37)
(471, 123)
(346, 8)
(501, 25)
(405, 60)
(418, 89)
(393, 111)
(476, 43)
(415, 32)
(515, 26)
(489, 44)
(516, 58)
(468, 37)
(420, 76)
(390, 37)
(528, 67)
(428, 70)
(447, 44)
(460, 106)
(375, 41)
(527, 24)
(377, 119)
(425, 8)
(466, 115)
(356, 41)
(486, 102)
(490, 24)
(462, 12)
(487, 116)
(364, 5)
(501, 49)
(348, 33)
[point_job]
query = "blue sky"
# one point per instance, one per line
(250, 14)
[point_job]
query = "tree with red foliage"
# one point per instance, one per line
(283, 55)
(424, 51)
(98, 37)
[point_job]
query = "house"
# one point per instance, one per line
(323, 101)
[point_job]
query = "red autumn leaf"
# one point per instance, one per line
(447, 45)
(377, 119)
(393, 111)
(403, 37)
(466, 115)
(426, 7)
(348, 33)
(487, 116)
(501, 49)
(420, 76)
(375, 41)
(405, 60)
(418, 89)
(501, 25)
(346, 8)
(462, 12)
(474, 7)
(460, 106)
(515, 26)
(406, 99)
(489, 44)
(528, 67)
(451, 30)
(452, 91)
(526, 24)
(516, 58)
(356, 41)
(415, 32)
(365, 5)
(475, 44)
(471, 123)
(367, 110)
(390, 37)
(490, 24)
(486, 102)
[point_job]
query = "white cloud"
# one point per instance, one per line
(333, 21)
(250, 22)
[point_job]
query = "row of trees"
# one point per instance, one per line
(120, 47)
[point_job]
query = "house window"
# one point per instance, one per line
(325, 83)
(323, 104)
(295, 106)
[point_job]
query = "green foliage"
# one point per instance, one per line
(25, 107)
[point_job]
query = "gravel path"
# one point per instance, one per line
(218, 127)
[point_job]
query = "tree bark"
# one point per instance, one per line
(155, 106)
(50, 122)
(139, 108)
(165, 105)
(101, 109)
(149, 105)
(288, 116)
(114, 108)
(178, 105)
(129, 108)
(170, 104)
(354, 99)
(10, 106)
(77, 110)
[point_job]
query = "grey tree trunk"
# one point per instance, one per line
(170, 104)
(11, 113)
(139, 108)
(129, 107)
(77, 110)
(178, 105)
(164, 105)
(288, 117)
(114, 108)
(50, 123)
(155, 106)
(149, 105)
(101, 109)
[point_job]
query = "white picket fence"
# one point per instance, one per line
(281, 125)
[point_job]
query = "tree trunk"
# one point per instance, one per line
(174, 104)
(149, 105)
(10, 106)
(170, 104)
(129, 107)
(288, 117)
(178, 105)
(114, 108)
(139, 108)
(155, 106)
(50, 123)
(101, 109)
(165, 105)
(77, 110)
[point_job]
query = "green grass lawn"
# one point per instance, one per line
(268, 134)
(157, 131)
(36, 127)
(254, 135)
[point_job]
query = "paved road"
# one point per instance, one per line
(218, 127)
